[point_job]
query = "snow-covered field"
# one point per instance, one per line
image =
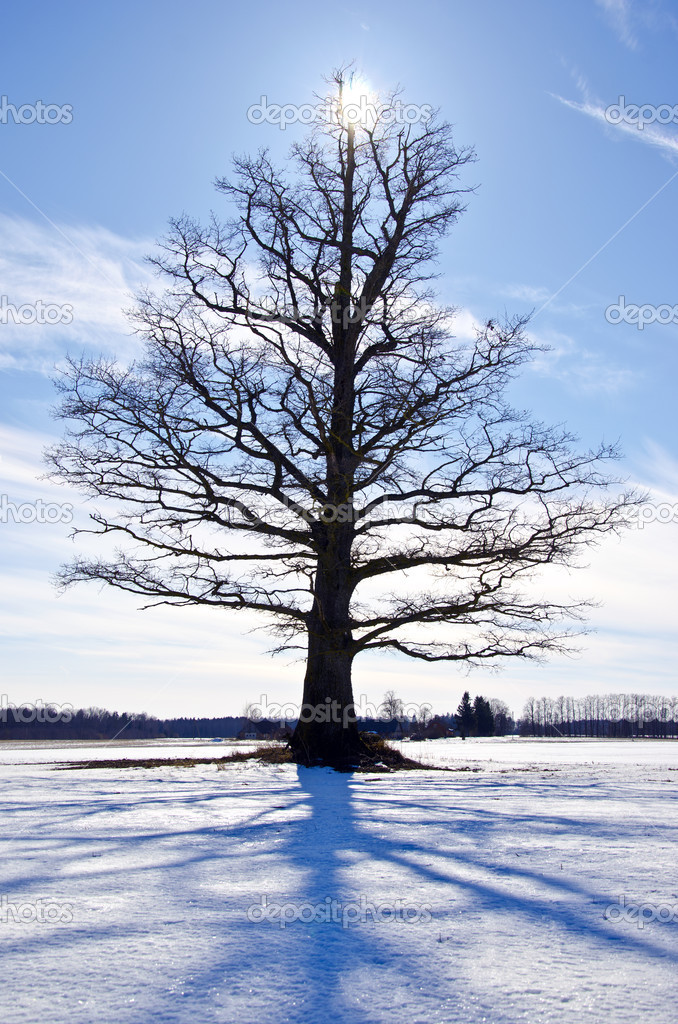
(279, 894)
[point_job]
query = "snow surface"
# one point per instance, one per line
(509, 867)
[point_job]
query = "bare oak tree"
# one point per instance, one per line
(306, 438)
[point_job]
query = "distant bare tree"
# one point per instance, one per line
(391, 705)
(501, 714)
(424, 715)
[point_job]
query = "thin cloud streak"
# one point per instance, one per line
(93, 274)
(650, 135)
(620, 15)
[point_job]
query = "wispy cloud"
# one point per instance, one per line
(580, 368)
(620, 14)
(660, 137)
(666, 141)
(541, 297)
(89, 272)
(659, 470)
(526, 293)
(21, 464)
(628, 17)
(465, 325)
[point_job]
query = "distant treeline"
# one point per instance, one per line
(51, 722)
(26, 722)
(62, 722)
(615, 715)
(612, 715)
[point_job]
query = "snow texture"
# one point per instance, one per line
(535, 883)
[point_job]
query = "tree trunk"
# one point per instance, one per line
(327, 730)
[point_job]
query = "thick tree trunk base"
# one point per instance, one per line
(346, 750)
(327, 743)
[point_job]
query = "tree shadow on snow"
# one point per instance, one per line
(379, 893)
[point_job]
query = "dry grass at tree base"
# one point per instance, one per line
(378, 757)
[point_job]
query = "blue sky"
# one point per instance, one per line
(570, 213)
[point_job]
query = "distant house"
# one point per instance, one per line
(438, 728)
(263, 730)
(392, 729)
(395, 729)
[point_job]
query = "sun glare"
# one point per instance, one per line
(358, 102)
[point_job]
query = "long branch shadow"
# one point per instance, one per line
(319, 844)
